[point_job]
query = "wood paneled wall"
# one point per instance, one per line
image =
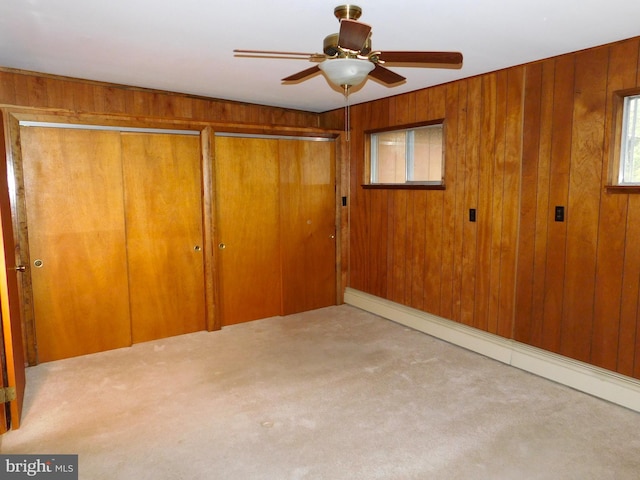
(52, 98)
(417, 247)
(519, 142)
(28, 89)
(578, 280)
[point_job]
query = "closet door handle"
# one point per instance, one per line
(222, 246)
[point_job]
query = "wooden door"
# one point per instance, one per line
(74, 205)
(308, 224)
(247, 198)
(13, 358)
(12, 374)
(163, 191)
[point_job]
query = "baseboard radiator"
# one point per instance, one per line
(599, 382)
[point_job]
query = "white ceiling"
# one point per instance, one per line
(187, 45)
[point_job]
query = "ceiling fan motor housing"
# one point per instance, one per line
(351, 12)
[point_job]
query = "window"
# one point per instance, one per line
(629, 166)
(412, 156)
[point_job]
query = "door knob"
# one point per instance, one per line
(221, 246)
(38, 263)
(197, 248)
(332, 236)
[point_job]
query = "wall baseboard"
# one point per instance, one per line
(599, 382)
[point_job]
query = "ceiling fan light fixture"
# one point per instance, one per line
(346, 71)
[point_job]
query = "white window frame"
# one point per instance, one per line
(629, 143)
(410, 159)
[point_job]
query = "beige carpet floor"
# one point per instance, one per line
(336, 393)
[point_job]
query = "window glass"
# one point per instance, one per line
(428, 152)
(390, 159)
(412, 155)
(630, 142)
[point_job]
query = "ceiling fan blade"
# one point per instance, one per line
(353, 34)
(444, 58)
(314, 57)
(386, 76)
(302, 75)
(271, 52)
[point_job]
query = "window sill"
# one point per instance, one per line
(403, 186)
(622, 189)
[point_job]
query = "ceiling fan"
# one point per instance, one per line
(348, 57)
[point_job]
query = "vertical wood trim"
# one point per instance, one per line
(528, 206)
(511, 192)
(545, 211)
(560, 155)
(398, 237)
(377, 202)
(435, 235)
(498, 202)
(449, 207)
(343, 213)
(583, 208)
(408, 259)
(460, 218)
(486, 178)
(359, 226)
(417, 260)
(211, 271)
(471, 186)
(435, 240)
(417, 233)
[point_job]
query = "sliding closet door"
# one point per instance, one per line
(163, 191)
(276, 226)
(308, 224)
(247, 196)
(74, 204)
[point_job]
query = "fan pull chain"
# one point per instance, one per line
(347, 114)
